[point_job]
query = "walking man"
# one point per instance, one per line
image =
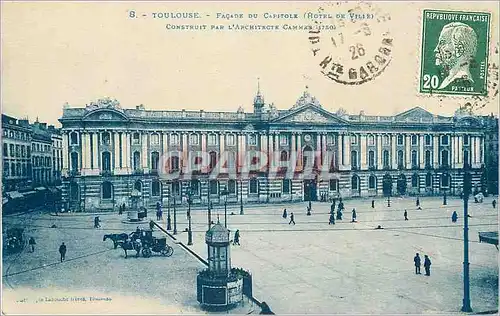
(406, 215)
(339, 214)
(291, 219)
(373, 203)
(97, 222)
(416, 260)
(494, 203)
(236, 240)
(62, 251)
(454, 217)
(332, 219)
(32, 244)
(353, 215)
(427, 265)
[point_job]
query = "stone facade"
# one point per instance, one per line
(108, 151)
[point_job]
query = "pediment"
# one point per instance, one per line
(105, 115)
(310, 114)
(415, 113)
(469, 121)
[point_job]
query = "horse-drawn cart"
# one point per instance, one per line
(143, 241)
(157, 245)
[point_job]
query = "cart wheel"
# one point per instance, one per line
(168, 251)
(146, 252)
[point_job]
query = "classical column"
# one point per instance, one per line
(408, 151)
(87, 151)
(271, 150)
(324, 157)
(65, 153)
(184, 160)
(243, 149)
(435, 148)
(144, 153)
(393, 151)
(477, 157)
(460, 152)
(317, 151)
(421, 156)
(363, 153)
(293, 147)
(299, 151)
(481, 150)
(453, 151)
(95, 152)
(347, 151)
(379, 152)
(204, 150)
(116, 152)
(263, 145)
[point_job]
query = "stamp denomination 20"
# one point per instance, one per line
(455, 48)
(358, 49)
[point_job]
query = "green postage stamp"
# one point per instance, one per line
(455, 47)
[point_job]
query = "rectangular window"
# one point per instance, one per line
(466, 140)
(286, 186)
(371, 140)
(174, 139)
(428, 140)
(414, 140)
(387, 140)
(400, 140)
(252, 139)
(155, 139)
(334, 184)
(444, 140)
(5, 150)
(194, 139)
(330, 139)
(212, 139)
(230, 140)
(254, 186)
(136, 139)
(354, 139)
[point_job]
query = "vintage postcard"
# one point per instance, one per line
(253, 157)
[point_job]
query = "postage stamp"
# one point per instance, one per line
(454, 52)
(358, 48)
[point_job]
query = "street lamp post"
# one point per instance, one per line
(190, 233)
(241, 196)
(209, 212)
(224, 193)
(169, 227)
(467, 188)
(175, 217)
(444, 197)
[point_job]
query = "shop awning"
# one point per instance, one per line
(14, 194)
(489, 237)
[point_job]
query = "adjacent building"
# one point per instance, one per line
(16, 142)
(108, 151)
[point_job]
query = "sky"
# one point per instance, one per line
(76, 52)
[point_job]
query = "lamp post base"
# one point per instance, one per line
(190, 238)
(466, 307)
(169, 227)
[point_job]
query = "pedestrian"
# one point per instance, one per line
(416, 260)
(339, 214)
(353, 215)
(427, 265)
(379, 227)
(97, 222)
(292, 220)
(284, 213)
(151, 225)
(373, 203)
(454, 217)
(158, 210)
(32, 244)
(120, 210)
(332, 208)
(494, 203)
(418, 202)
(332, 219)
(406, 215)
(62, 251)
(308, 211)
(236, 240)
(161, 214)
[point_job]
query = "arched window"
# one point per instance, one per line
(231, 186)
(466, 158)
(155, 188)
(155, 139)
(414, 180)
(355, 182)
(74, 161)
(106, 140)
(106, 161)
(371, 159)
(286, 186)
(106, 190)
(174, 139)
(74, 138)
(354, 159)
(414, 159)
(155, 160)
(213, 159)
(444, 158)
(428, 179)
(213, 186)
(254, 186)
(372, 182)
(401, 159)
(284, 156)
(137, 160)
(308, 158)
(428, 162)
(138, 185)
(385, 158)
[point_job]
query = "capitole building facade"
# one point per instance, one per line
(269, 155)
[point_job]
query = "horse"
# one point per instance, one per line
(130, 245)
(115, 238)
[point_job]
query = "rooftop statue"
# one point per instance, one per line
(104, 103)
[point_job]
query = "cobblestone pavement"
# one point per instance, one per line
(310, 267)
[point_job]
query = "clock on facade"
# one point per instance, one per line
(307, 137)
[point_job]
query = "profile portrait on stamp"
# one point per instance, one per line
(455, 47)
